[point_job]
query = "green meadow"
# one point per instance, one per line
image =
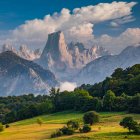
(107, 129)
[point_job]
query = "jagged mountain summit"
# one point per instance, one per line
(20, 76)
(82, 56)
(23, 51)
(55, 54)
(103, 67)
(65, 60)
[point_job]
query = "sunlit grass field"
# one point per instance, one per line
(107, 129)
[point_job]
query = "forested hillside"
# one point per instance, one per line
(120, 92)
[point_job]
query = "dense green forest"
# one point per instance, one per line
(120, 92)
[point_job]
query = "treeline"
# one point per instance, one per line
(120, 92)
(121, 81)
(14, 108)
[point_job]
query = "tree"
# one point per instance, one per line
(54, 92)
(91, 117)
(1, 127)
(134, 104)
(73, 124)
(45, 107)
(128, 123)
(92, 103)
(86, 128)
(120, 104)
(108, 100)
(40, 121)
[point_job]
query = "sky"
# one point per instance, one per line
(108, 23)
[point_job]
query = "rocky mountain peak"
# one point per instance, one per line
(23, 51)
(56, 52)
(63, 58)
(19, 76)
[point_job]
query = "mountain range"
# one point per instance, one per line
(65, 60)
(25, 71)
(20, 76)
(23, 51)
(99, 69)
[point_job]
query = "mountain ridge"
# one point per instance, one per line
(19, 76)
(99, 69)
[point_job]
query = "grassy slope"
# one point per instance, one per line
(29, 130)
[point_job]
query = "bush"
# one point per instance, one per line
(91, 117)
(137, 129)
(56, 134)
(73, 124)
(86, 128)
(1, 127)
(39, 121)
(128, 123)
(67, 131)
(7, 125)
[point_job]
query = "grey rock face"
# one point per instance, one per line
(20, 76)
(23, 51)
(66, 60)
(55, 54)
(103, 67)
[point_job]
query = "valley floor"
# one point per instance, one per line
(107, 129)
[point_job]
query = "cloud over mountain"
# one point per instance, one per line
(128, 38)
(77, 25)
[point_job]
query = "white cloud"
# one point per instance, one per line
(129, 37)
(77, 25)
(67, 86)
(82, 33)
(114, 24)
(119, 21)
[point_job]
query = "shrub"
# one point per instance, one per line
(39, 121)
(128, 123)
(91, 117)
(1, 127)
(56, 134)
(86, 128)
(73, 124)
(67, 131)
(137, 129)
(7, 125)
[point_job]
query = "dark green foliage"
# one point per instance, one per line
(56, 134)
(128, 123)
(136, 129)
(1, 127)
(134, 104)
(92, 103)
(40, 121)
(108, 100)
(120, 92)
(120, 103)
(14, 108)
(73, 124)
(85, 129)
(91, 117)
(67, 130)
(127, 81)
(7, 125)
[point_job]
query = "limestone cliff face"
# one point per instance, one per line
(82, 56)
(23, 51)
(19, 76)
(58, 56)
(55, 54)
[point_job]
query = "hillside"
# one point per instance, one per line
(20, 76)
(29, 129)
(121, 81)
(97, 70)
